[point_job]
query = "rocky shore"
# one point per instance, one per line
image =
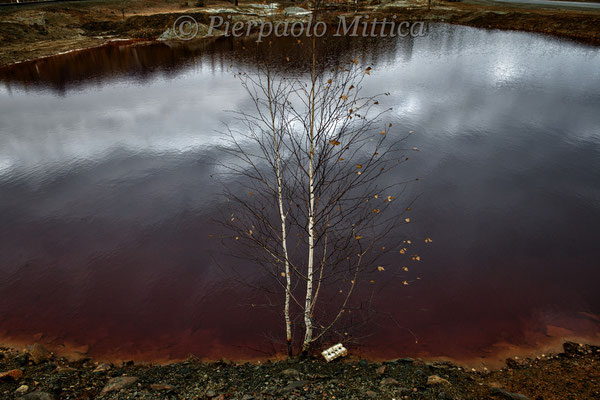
(37, 374)
(40, 30)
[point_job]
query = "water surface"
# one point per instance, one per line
(106, 197)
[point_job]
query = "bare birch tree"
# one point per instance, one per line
(312, 205)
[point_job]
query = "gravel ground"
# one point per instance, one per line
(36, 373)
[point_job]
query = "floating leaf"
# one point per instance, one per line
(287, 59)
(402, 251)
(283, 274)
(329, 81)
(390, 198)
(376, 210)
(376, 102)
(404, 282)
(407, 219)
(358, 166)
(358, 237)
(405, 268)
(334, 142)
(376, 196)
(380, 268)
(344, 97)
(383, 132)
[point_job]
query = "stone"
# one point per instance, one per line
(291, 372)
(22, 389)
(388, 382)
(295, 11)
(508, 395)
(436, 380)
(363, 363)
(381, 370)
(13, 374)
(158, 387)
(39, 353)
(101, 368)
(406, 360)
(226, 361)
(512, 363)
(118, 383)
(371, 394)
(294, 385)
(37, 395)
(210, 393)
(62, 369)
(572, 348)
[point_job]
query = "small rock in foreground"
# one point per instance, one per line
(13, 374)
(508, 395)
(119, 383)
(22, 389)
(436, 380)
(39, 353)
(388, 382)
(162, 388)
(37, 396)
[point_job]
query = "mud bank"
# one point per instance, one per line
(42, 30)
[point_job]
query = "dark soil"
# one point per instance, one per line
(38, 374)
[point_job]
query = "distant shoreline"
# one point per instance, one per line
(44, 30)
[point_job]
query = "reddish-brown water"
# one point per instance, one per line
(107, 201)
